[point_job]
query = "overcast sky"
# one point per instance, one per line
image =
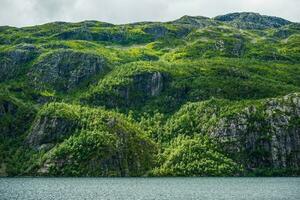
(30, 12)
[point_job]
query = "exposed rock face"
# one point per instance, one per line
(140, 88)
(252, 20)
(13, 62)
(234, 48)
(156, 84)
(92, 142)
(143, 86)
(64, 70)
(127, 155)
(156, 31)
(77, 34)
(120, 35)
(46, 131)
(151, 84)
(197, 22)
(264, 138)
(259, 135)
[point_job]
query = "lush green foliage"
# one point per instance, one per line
(97, 99)
(197, 156)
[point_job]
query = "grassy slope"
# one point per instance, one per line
(201, 60)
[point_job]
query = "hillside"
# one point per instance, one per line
(196, 96)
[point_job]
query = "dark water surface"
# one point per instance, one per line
(150, 188)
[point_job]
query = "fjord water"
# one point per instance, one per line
(150, 188)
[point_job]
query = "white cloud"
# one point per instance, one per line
(31, 12)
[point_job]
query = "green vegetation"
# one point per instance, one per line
(190, 97)
(197, 156)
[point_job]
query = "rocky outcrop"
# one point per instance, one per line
(122, 35)
(267, 136)
(143, 86)
(157, 31)
(135, 91)
(64, 70)
(46, 131)
(83, 141)
(252, 20)
(230, 48)
(13, 62)
(262, 134)
(195, 22)
(151, 84)
(156, 85)
(127, 154)
(82, 33)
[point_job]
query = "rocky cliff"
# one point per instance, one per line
(92, 142)
(268, 136)
(259, 134)
(66, 69)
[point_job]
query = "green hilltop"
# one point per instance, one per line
(196, 96)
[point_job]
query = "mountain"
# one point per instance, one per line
(252, 21)
(196, 96)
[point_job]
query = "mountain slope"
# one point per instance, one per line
(196, 96)
(252, 20)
